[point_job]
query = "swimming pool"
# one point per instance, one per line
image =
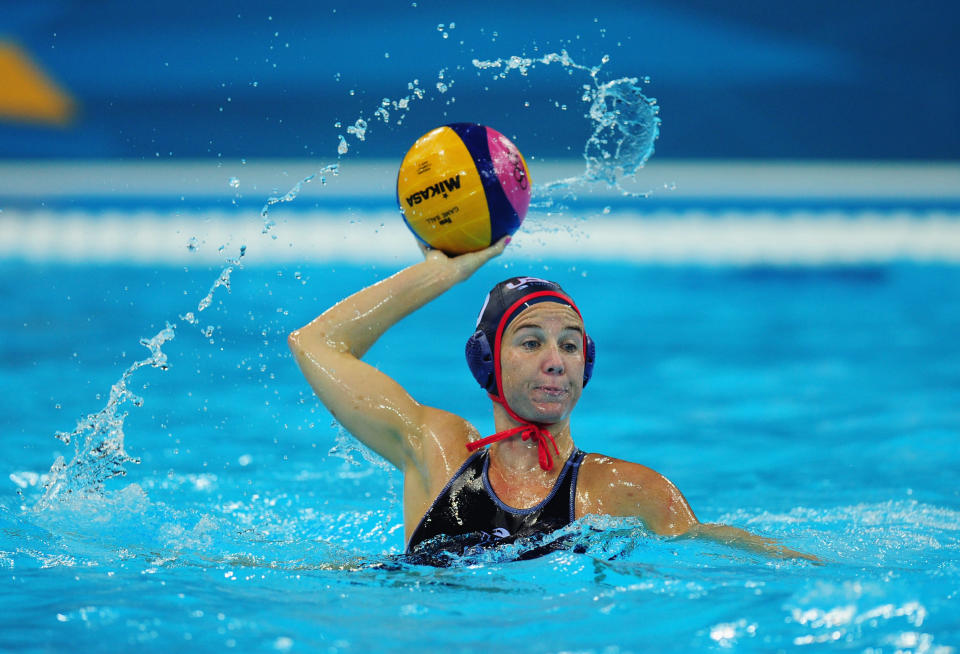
(813, 400)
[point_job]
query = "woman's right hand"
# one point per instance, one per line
(464, 265)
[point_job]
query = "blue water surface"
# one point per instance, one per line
(814, 405)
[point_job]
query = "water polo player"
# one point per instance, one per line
(533, 355)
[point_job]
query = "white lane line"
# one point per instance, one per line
(803, 238)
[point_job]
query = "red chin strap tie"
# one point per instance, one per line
(528, 430)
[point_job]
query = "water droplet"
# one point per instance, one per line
(234, 182)
(358, 129)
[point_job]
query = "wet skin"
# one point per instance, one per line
(542, 373)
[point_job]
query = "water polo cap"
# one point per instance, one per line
(504, 303)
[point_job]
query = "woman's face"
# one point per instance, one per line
(541, 362)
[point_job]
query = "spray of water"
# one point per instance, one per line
(99, 438)
(291, 195)
(99, 452)
(625, 123)
(223, 280)
(389, 109)
(625, 128)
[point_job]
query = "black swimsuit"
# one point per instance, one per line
(467, 514)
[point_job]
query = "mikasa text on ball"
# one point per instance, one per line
(463, 187)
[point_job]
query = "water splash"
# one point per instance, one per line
(99, 439)
(396, 109)
(291, 195)
(626, 125)
(443, 85)
(388, 109)
(223, 280)
(379, 524)
(625, 128)
(359, 128)
(346, 446)
(598, 537)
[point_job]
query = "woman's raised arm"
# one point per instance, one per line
(367, 402)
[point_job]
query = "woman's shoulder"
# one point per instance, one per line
(612, 486)
(611, 470)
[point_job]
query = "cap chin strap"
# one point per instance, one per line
(527, 430)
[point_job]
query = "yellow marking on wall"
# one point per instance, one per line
(27, 94)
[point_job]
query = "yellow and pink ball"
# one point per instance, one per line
(463, 187)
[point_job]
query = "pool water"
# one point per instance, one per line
(817, 405)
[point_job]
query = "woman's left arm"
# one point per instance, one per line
(623, 488)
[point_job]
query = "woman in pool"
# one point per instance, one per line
(532, 353)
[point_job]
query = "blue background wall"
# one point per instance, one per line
(811, 79)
